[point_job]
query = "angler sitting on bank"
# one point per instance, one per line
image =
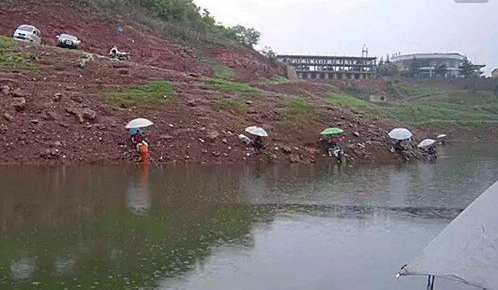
(138, 137)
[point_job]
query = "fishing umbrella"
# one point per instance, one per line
(400, 134)
(257, 131)
(332, 132)
(442, 136)
(139, 123)
(426, 143)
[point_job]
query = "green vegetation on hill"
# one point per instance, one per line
(354, 104)
(181, 18)
(11, 59)
(446, 109)
(146, 95)
(458, 109)
(235, 107)
(232, 87)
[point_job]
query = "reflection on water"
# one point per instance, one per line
(242, 227)
(138, 194)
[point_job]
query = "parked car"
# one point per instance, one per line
(27, 33)
(68, 41)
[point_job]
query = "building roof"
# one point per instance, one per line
(436, 55)
(325, 56)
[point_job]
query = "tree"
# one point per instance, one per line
(208, 18)
(269, 53)
(381, 62)
(247, 36)
(388, 70)
(467, 68)
(414, 68)
(441, 70)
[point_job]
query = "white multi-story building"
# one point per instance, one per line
(429, 62)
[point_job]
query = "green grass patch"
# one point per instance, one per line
(299, 114)
(298, 107)
(146, 95)
(235, 107)
(232, 87)
(354, 104)
(410, 90)
(458, 109)
(223, 72)
(277, 80)
(10, 59)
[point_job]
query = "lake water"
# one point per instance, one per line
(255, 227)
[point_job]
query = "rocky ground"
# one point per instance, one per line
(59, 106)
(60, 112)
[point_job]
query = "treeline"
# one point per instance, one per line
(180, 13)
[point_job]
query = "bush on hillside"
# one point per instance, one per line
(181, 13)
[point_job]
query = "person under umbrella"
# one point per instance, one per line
(333, 148)
(259, 133)
(138, 137)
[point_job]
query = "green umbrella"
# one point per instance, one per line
(332, 131)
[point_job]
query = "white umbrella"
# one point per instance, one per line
(426, 143)
(442, 136)
(139, 123)
(257, 131)
(400, 134)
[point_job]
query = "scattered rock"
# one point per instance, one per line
(49, 116)
(287, 150)
(89, 114)
(77, 99)
(19, 103)
(356, 134)
(8, 117)
(17, 93)
(51, 153)
(65, 125)
(82, 114)
(57, 97)
(191, 102)
(224, 141)
(249, 102)
(35, 121)
(216, 154)
(5, 90)
(212, 135)
(294, 158)
(166, 137)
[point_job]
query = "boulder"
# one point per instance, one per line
(77, 99)
(19, 103)
(17, 93)
(287, 149)
(212, 135)
(49, 116)
(5, 90)
(8, 117)
(57, 97)
(294, 158)
(89, 114)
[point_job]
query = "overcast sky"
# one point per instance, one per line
(385, 26)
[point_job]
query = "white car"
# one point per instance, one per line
(68, 41)
(28, 33)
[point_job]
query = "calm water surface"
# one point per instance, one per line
(238, 227)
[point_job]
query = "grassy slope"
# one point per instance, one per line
(10, 59)
(430, 107)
